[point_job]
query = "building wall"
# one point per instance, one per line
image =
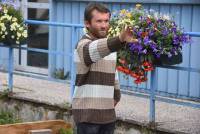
(187, 15)
(182, 83)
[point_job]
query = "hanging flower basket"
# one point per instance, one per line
(160, 41)
(13, 31)
(165, 60)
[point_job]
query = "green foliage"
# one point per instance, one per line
(7, 117)
(66, 131)
(4, 94)
(60, 74)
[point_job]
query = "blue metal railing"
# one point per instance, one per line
(72, 71)
(153, 87)
(154, 80)
(193, 34)
(74, 30)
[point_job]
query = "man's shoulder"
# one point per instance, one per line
(86, 36)
(84, 40)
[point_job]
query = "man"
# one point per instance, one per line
(97, 88)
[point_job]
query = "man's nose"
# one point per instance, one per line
(104, 24)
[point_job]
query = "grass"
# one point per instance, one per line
(7, 117)
(66, 131)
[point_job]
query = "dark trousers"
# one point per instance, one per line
(89, 128)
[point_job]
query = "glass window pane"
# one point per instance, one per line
(38, 38)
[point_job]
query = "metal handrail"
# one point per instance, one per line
(72, 84)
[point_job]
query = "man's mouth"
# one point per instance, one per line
(103, 31)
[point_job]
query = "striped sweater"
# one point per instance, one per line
(96, 85)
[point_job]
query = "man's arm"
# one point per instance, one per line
(92, 51)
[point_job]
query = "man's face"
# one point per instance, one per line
(99, 24)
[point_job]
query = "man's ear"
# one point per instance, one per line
(87, 24)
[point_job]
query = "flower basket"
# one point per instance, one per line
(13, 31)
(165, 60)
(160, 41)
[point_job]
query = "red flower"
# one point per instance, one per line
(126, 71)
(134, 75)
(146, 63)
(144, 34)
(137, 81)
(149, 69)
(119, 68)
(123, 69)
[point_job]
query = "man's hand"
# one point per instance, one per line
(126, 35)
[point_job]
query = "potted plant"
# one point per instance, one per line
(13, 31)
(159, 41)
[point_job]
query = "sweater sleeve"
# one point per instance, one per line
(92, 51)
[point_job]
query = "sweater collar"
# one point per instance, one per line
(90, 37)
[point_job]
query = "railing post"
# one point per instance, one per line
(72, 81)
(152, 96)
(10, 70)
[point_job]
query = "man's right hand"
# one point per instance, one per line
(126, 35)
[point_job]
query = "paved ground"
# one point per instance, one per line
(168, 116)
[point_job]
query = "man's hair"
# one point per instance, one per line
(94, 6)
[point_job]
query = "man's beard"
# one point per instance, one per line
(103, 33)
(99, 33)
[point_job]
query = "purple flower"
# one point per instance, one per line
(153, 45)
(1, 8)
(146, 41)
(157, 55)
(176, 40)
(139, 40)
(144, 51)
(134, 29)
(14, 3)
(185, 38)
(151, 33)
(174, 29)
(139, 33)
(169, 55)
(165, 32)
(174, 24)
(173, 50)
(135, 47)
(160, 21)
(140, 18)
(155, 50)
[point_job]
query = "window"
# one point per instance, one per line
(38, 38)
